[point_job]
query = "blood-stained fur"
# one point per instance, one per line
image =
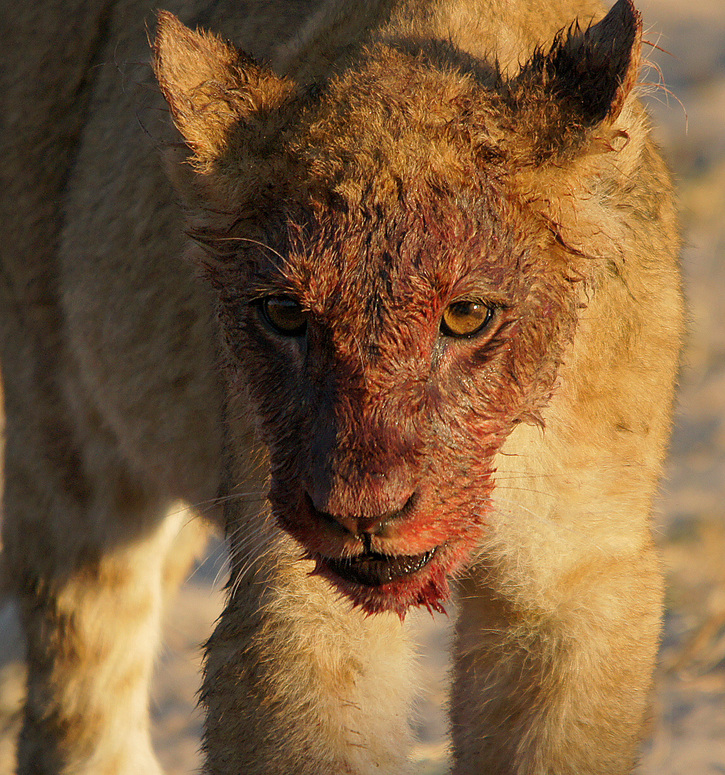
(416, 282)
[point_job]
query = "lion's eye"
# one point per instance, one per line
(284, 315)
(465, 318)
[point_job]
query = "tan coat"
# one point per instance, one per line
(430, 308)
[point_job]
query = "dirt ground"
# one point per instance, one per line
(687, 735)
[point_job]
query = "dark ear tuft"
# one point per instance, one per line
(210, 86)
(584, 79)
(595, 70)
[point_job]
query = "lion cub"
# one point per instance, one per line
(416, 283)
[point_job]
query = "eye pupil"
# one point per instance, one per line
(284, 315)
(465, 318)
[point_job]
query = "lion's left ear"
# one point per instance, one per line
(215, 92)
(582, 82)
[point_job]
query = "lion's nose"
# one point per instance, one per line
(369, 522)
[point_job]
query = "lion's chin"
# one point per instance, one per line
(380, 582)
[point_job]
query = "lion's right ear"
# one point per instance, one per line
(215, 93)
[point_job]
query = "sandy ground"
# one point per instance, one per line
(688, 721)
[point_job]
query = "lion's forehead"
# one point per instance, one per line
(420, 254)
(394, 111)
(390, 207)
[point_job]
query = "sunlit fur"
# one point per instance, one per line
(393, 158)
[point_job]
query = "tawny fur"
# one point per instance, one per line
(393, 157)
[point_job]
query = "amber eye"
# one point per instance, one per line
(465, 318)
(284, 315)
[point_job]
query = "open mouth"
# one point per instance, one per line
(372, 569)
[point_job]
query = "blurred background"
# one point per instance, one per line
(686, 96)
(688, 725)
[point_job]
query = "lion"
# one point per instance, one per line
(394, 298)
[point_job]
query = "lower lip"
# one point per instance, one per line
(375, 570)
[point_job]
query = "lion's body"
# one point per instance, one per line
(537, 479)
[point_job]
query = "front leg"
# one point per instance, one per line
(562, 691)
(85, 548)
(297, 680)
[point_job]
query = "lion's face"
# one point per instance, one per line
(394, 292)
(388, 354)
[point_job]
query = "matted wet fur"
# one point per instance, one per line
(416, 284)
